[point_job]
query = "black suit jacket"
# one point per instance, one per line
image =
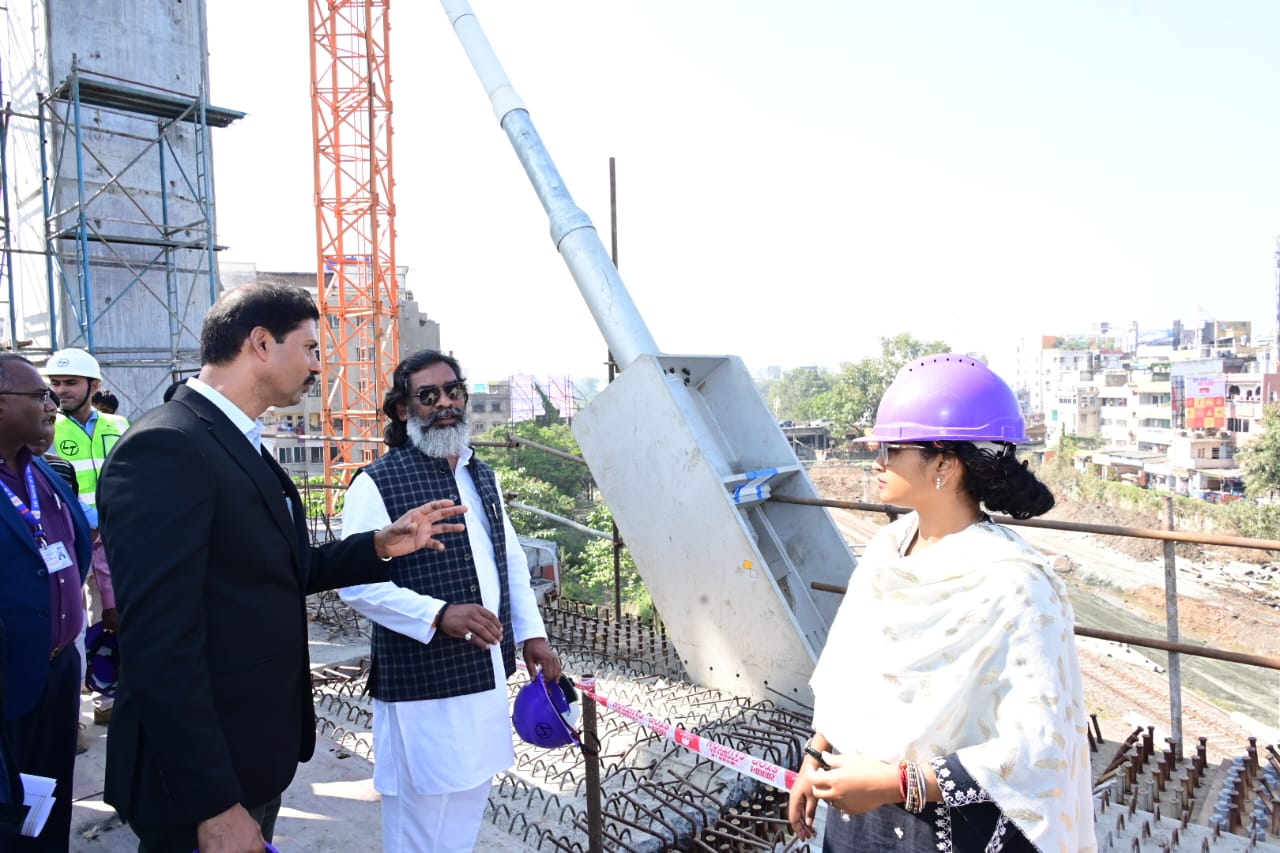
(211, 572)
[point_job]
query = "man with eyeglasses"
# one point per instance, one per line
(45, 547)
(446, 626)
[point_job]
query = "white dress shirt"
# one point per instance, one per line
(442, 745)
(251, 428)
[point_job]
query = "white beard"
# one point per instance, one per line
(438, 442)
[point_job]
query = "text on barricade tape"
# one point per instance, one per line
(757, 768)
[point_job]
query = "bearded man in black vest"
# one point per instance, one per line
(446, 626)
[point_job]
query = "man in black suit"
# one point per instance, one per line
(206, 538)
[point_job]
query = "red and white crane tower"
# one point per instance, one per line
(356, 280)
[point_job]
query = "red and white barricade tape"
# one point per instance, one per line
(756, 768)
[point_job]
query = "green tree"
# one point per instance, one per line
(1261, 458)
(589, 576)
(565, 476)
(315, 495)
(551, 413)
(792, 396)
(539, 479)
(858, 388)
(520, 487)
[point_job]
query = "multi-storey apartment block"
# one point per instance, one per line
(1168, 409)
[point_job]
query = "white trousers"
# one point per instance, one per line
(433, 823)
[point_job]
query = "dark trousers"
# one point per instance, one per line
(44, 744)
(182, 839)
(891, 829)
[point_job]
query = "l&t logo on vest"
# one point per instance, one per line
(68, 447)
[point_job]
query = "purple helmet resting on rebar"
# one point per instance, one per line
(948, 397)
(541, 712)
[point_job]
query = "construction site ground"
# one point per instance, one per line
(1226, 599)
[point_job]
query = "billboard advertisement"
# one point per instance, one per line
(1206, 405)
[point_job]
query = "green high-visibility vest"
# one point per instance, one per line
(86, 455)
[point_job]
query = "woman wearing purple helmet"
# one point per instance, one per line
(948, 701)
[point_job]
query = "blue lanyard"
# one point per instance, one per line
(31, 515)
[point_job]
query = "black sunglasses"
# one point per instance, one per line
(429, 395)
(46, 394)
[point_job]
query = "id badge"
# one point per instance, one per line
(56, 557)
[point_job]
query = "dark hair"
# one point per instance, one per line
(278, 308)
(105, 401)
(997, 480)
(395, 434)
(7, 358)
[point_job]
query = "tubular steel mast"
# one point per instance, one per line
(356, 280)
(688, 457)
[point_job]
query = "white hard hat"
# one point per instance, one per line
(72, 361)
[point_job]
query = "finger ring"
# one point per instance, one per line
(467, 636)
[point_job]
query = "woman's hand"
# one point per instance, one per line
(803, 803)
(854, 784)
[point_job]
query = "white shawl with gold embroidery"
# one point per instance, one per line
(965, 647)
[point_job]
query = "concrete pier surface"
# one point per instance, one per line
(331, 807)
(331, 804)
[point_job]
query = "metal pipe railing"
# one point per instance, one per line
(1049, 524)
(514, 441)
(560, 519)
(1263, 661)
(1171, 629)
(1169, 536)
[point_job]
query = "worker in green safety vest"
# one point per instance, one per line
(84, 436)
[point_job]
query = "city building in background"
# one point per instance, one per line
(1166, 408)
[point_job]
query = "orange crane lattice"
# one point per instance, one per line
(356, 279)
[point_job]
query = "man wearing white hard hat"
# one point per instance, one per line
(84, 436)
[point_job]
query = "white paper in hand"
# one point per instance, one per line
(38, 798)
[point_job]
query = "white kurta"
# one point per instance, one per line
(442, 745)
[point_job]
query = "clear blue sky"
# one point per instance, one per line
(797, 180)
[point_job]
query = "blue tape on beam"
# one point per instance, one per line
(755, 485)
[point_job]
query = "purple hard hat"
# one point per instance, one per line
(102, 659)
(542, 711)
(948, 397)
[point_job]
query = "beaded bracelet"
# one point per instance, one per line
(902, 780)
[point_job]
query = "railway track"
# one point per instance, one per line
(1135, 693)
